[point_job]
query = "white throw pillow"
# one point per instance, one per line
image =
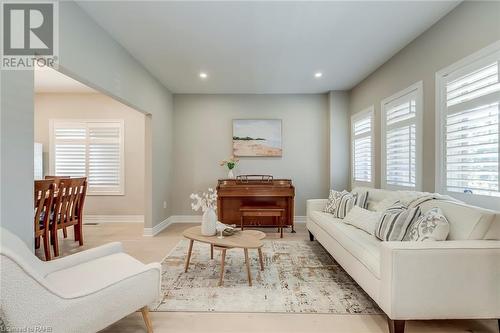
(363, 219)
(432, 226)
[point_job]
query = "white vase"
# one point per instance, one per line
(230, 174)
(209, 222)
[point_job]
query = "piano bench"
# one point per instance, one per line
(263, 211)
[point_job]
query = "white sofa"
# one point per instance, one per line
(83, 292)
(454, 279)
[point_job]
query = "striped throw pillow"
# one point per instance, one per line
(344, 203)
(395, 223)
(362, 199)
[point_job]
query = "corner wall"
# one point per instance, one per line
(470, 27)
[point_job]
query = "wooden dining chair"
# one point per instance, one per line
(69, 209)
(43, 199)
(57, 180)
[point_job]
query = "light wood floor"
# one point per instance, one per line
(149, 249)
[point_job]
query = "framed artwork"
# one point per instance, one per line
(257, 137)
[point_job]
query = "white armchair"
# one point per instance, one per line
(84, 292)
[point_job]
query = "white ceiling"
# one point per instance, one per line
(48, 80)
(264, 47)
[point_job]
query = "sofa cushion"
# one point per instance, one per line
(466, 222)
(363, 246)
(94, 275)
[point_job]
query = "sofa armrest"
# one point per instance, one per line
(315, 205)
(81, 257)
(440, 280)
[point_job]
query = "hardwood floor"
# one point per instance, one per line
(149, 249)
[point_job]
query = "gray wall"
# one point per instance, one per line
(468, 28)
(16, 153)
(88, 54)
(98, 106)
(203, 137)
(339, 139)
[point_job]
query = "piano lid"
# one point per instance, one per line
(254, 180)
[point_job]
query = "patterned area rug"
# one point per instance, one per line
(299, 277)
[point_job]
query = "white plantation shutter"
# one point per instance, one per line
(92, 149)
(362, 146)
(400, 144)
(471, 113)
(70, 149)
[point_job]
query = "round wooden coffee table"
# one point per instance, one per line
(248, 239)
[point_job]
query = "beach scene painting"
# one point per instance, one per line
(257, 137)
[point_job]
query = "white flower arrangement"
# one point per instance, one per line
(207, 200)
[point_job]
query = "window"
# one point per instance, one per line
(92, 149)
(401, 139)
(362, 147)
(468, 100)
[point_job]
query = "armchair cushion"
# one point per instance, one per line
(92, 276)
(81, 257)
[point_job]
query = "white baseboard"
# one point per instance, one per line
(158, 228)
(113, 219)
(189, 219)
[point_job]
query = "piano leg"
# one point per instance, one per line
(293, 230)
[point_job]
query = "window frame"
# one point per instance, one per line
(72, 122)
(367, 112)
(465, 65)
(418, 89)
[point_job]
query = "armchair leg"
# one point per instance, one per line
(396, 326)
(311, 236)
(147, 321)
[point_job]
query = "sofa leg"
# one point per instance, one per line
(147, 321)
(396, 326)
(311, 236)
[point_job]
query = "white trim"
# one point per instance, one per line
(113, 219)
(369, 111)
(52, 122)
(465, 63)
(418, 89)
(185, 219)
(150, 232)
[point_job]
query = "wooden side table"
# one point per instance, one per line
(263, 211)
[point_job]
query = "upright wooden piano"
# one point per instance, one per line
(255, 190)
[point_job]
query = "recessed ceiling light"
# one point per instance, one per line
(318, 75)
(203, 75)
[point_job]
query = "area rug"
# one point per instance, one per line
(299, 277)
